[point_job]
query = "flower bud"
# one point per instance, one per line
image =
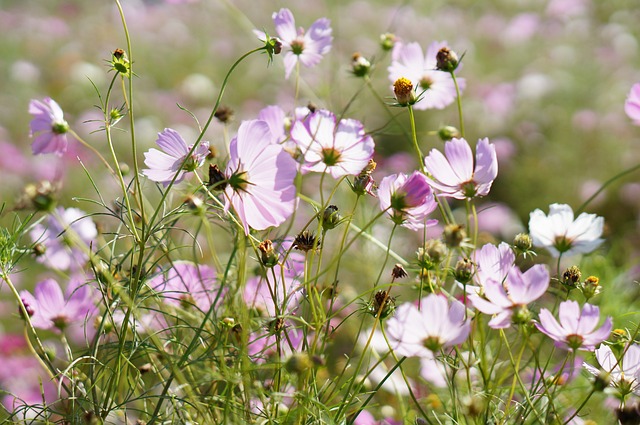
(331, 218)
(521, 315)
(194, 203)
(217, 179)
(120, 63)
(387, 41)
(601, 381)
(298, 363)
(41, 196)
(522, 242)
(224, 114)
(454, 234)
(448, 132)
(268, 256)
(432, 254)
(382, 305)
(463, 270)
(446, 60)
(591, 287)
(403, 89)
(360, 66)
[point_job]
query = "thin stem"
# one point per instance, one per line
(414, 139)
(459, 103)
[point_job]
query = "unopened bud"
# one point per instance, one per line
(268, 256)
(463, 270)
(298, 363)
(224, 114)
(521, 315)
(449, 132)
(387, 41)
(217, 179)
(571, 277)
(446, 60)
(331, 218)
(591, 287)
(454, 234)
(194, 203)
(360, 66)
(432, 254)
(522, 242)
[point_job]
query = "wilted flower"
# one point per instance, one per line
(455, 175)
(63, 238)
(260, 176)
(632, 104)
(625, 374)
(576, 330)
(407, 199)
(48, 127)
(306, 47)
(560, 234)
(509, 300)
(172, 161)
(436, 325)
(409, 62)
(339, 148)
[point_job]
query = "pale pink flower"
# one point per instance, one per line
(422, 332)
(66, 238)
(559, 233)
(189, 285)
(409, 62)
(632, 104)
(503, 300)
(625, 374)
(407, 199)
(576, 329)
(49, 308)
(338, 148)
(48, 127)
(300, 46)
(454, 173)
(492, 264)
(172, 161)
(260, 178)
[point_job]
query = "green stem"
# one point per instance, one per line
(459, 103)
(414, 139)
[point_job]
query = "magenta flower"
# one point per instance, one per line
(164, 165)
(339, 148)
(49, 308)
(260, 176)
(407, 199)
(560, 234)
(409, 62)
(188, 285)
(625, 374)
(48, 126)
(632, 104)
(455, 175)
(576, 330)
(504, 300)
(422, 332)
(66, 238)
(305, 47)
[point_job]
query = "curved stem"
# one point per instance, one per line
(459, 103)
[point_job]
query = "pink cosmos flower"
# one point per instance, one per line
(51, 309)
(407, 199)
(260, 176)
(560, 234)
(632, 104)
(576, 330)
(48, 126)
(625, 374)
(63, 238)
(305, 47)
(455, 175)
(188, 285)
(492, 264)
(339, 148)
(423, 332)
(164, 165)
(409, 62)
(503, 300)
